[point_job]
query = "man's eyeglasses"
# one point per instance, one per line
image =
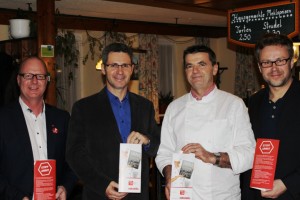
(29, 76)
(116, 66)
(278, 62)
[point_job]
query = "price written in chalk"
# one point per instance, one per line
(247, 25)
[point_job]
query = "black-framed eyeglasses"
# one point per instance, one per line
(30, 76)
(278, 62)
(116, 66)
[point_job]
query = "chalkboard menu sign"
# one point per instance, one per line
(247, 25)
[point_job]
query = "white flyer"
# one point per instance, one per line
(130, 165)
(182, 170)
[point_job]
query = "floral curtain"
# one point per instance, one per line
(148, 70)
(246, 74)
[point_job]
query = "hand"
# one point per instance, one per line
(278, 189)
(167, 174)
(61, 193)
(112, 193)
(199, 152)
(137, 138)
(167, 190)
(25, 198)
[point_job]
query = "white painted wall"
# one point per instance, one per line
(91, 80)
(227, 58)
(4, 32)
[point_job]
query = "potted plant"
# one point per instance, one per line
(164, 100)
(21, 26)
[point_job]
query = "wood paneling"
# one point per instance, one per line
(102, 24)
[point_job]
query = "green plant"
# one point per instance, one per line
(21, 14)
(65, 45)
(165, 99)
(100, 42)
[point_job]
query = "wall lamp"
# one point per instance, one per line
(99, 65)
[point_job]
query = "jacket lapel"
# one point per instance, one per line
(107, 113)
(50, 117)
(23, 130)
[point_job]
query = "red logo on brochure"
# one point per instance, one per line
(45, 169)
(130, 182)
(182, 192)
(266, 147)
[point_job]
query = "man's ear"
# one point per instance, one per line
(48, 77)
(215, 69)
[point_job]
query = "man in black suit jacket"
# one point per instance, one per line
(31, 130)
(101, 122)
(274, 113)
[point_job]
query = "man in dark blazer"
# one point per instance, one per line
(101, 122)
(274, 113)
(21, 124)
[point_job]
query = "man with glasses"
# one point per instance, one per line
(210, 123)
(101, 122)
(32, 130)
(274, 113)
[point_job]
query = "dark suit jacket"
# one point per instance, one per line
(94, 141)
(16, 157)
(288, 163)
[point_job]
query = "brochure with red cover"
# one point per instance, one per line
(264, 165)
(44, 180)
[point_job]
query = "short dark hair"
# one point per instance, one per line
(116, 47)
(200, 48)
(274, 39)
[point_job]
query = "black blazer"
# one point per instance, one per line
(288, 163)
(94, 141)
(16, 157)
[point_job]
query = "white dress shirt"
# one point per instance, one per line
(36, 126)
(220, 123)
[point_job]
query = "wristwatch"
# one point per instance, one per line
(218, 157)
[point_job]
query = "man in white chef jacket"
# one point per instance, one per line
(212, 124)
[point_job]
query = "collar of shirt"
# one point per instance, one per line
(122, 113)
(26, 108)
(197, 97)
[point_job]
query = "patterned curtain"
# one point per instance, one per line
(148, 70)
(246, 74)
(202, 41)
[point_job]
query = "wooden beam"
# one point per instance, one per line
(46, 36)
(103, 24)
(7, 14)
(183, 5)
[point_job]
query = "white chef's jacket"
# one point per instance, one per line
(220, 123)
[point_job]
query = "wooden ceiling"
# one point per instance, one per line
(216, 7)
